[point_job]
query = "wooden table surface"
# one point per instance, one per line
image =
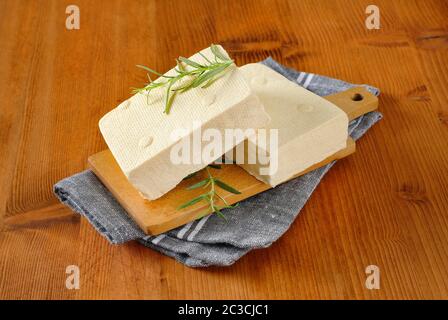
(386, 205)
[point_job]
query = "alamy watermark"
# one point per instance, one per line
(373, 277)
(373, 18)
(205, 146)
(73, 20)
(72, 280)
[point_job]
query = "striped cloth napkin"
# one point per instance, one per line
(256, 223)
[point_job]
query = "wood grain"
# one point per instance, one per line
(385, 205)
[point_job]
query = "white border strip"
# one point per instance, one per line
(158, 239)
(300, 77)
(198, 227)
(308, 80)
(184, 230)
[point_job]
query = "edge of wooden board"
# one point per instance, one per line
(160, 215)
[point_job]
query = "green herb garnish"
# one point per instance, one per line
(212, 196)
(199, 75)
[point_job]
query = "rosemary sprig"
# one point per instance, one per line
(198, 74)
(212, 196)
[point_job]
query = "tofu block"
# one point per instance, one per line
(310, 128)
(140, 135)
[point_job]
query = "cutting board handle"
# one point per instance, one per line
(355, 101)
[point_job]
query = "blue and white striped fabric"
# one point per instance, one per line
(256, 223)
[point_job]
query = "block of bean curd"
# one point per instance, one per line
(141, 136)
(310, 128)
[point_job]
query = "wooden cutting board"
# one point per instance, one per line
(161, 215)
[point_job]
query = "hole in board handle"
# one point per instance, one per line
(357, 97)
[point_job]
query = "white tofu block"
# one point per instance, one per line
(138, 132)
(310, 128)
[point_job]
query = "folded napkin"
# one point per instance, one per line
(256, 223)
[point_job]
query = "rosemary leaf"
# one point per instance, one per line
(231, 206)
(205, 58)
(200, 75)
(208, 76)
(170, 99)
(210, 82)
(170, 103)
(219, 213)
(153, 71)
(180, 66)
(215, 49)
(192, 201)
(226, 187)
(198, 185)
(211, 196)
(191, 63)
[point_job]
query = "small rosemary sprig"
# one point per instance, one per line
(212, 196)
(199, 75)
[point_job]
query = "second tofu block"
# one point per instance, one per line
(140, 135)
(310, 128)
